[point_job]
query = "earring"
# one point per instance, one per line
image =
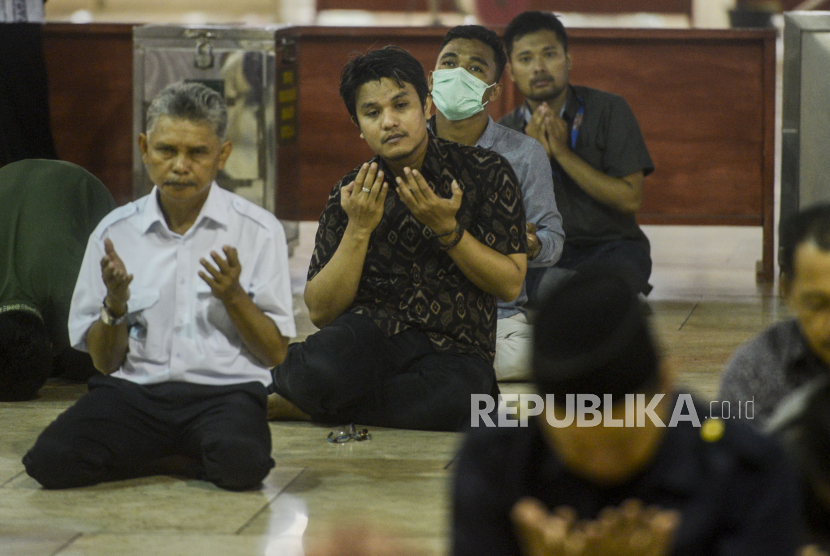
(361, 136)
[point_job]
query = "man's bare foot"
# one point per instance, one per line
(280, 409)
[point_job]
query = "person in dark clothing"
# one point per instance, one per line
(597, 154)
(48, 209)
(802, 425)
(25, 127)
(412, 251)
(649, 474)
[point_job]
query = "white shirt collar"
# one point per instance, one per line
(213, 209)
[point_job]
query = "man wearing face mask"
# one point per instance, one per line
(466, 77)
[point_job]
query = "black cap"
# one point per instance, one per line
(591, 336)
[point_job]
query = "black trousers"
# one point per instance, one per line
(350, 371)
(630, 259)
(120, 429)
(25, 127)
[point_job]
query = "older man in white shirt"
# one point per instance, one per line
(196, 310)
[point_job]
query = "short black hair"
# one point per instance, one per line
(530, 22)
(481, 34)
(392, 62)
(808, 225)
(592, 336)
(25, 355)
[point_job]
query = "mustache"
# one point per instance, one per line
(174, 182)
(544, 77)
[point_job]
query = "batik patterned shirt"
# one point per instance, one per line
(407, 280)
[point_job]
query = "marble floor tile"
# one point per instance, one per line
(21, 422)
(147, 505)
(10, 468)
(704, 305)
(670, 315)
(305, 441)
(105, 544)
(751, 316)
(164, 544)
(33, 540)
(407, 497)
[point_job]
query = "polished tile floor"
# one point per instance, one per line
(705, 303)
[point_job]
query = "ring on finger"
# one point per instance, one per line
(367, 190)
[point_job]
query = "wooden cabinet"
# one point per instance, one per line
(705, 100)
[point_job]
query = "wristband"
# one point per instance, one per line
(459, 231)
(453, 231)
(107, 317)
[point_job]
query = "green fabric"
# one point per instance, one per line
(48, 209)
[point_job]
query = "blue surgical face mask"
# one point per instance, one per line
(457, 94)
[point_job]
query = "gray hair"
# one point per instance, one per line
(190, 101)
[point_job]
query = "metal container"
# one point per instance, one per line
(805, 166)
(255, 70)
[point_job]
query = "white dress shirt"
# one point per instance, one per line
(178, 331)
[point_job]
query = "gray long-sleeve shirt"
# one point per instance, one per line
(767, 368)
(530, 163)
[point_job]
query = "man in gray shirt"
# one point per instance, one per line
(789, 353)
(470, 63)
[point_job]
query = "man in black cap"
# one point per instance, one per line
(617, 463)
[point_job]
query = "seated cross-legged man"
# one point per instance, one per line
(466, 78)
(184, 303)
(413, 249)
(598, 157)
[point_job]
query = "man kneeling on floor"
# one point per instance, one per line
(185, 343)
(412, 251)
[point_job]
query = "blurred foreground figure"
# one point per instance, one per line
(792, 352)
(622, 464)
(802, 424)
(362, 541)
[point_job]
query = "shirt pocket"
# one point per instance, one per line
(142, 341)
